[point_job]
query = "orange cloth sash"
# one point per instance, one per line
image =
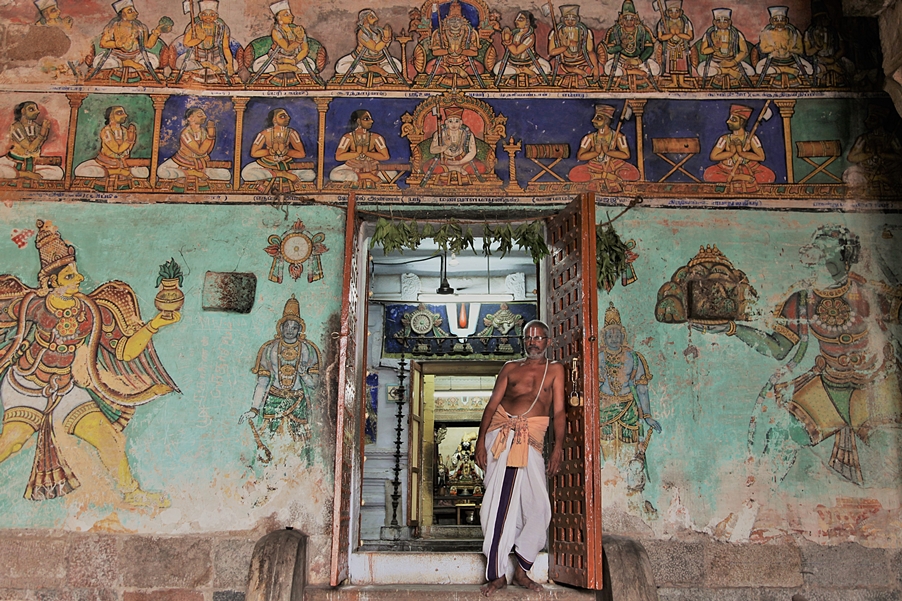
(528, 431)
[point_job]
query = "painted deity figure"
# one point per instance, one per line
(876, 155)
(826, 49)
(361, 151)
(125, 41)
(630, 45)
(117, 140)
(75, 363)
(275, 149)
(782, 46)
(726, 51)
(573, 45)
(454, 44)
(50, 15)
(739, 155)
(290, 52)
(605, 152)
(371, 54)
(520, 51)
(625, 407)
(853, 390)
(675, 33)
(27, 137)
(196, 142)
(287, 370)
(207, 40)
(454, 149)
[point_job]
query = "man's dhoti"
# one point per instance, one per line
(515, 509)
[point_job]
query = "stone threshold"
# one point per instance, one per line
(445, 592)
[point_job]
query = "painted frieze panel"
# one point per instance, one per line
(525, 149)
(634, 46)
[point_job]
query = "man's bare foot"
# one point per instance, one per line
(522, 579)
(493, 585)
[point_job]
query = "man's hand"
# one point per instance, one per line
(554, 462)
(481, 455)
(653, 424)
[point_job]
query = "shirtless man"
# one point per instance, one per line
(515, 509)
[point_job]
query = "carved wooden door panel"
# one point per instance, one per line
(572, 296)
(348, 410)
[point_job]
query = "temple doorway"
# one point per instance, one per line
(402, 323)
(442, 325)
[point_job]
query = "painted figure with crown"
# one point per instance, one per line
(625, 406)
(851, 393)
(287, 368)
(454, 149)
(75, 364)
(630, 46)
(739, 155)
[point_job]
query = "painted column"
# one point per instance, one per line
(639, 110)
(75, 100)
(787, 108)
(511, 149)
(322, 104)
(240, 105)
(159, 101)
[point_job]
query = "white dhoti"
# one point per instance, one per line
(515, 508)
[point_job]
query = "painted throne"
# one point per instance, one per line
(487, 128)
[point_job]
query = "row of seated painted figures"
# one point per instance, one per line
(453, 140)
(462, 44)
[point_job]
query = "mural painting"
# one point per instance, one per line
(458, 44)
(852, 389)
(625, 404)
(79, 364)
(113, 143)
(205, 49)
(295, 247)
(287, 371)
(524, 148)
(274, 151)
(370, 64)
(36, 144)
(196, 145)
(850, 393)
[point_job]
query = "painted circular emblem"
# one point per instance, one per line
(296, 247)
(421, 321)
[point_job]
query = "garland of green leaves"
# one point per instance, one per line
(610, 250)
(610, 255)
(455, 237)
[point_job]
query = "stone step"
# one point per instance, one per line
(425, 568)
(447, 592)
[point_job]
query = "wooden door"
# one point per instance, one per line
(349, 408)
(415, 447)
(572, 302)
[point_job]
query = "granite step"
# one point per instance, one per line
(445, 592)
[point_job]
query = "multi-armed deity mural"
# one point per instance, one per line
(187, 105)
